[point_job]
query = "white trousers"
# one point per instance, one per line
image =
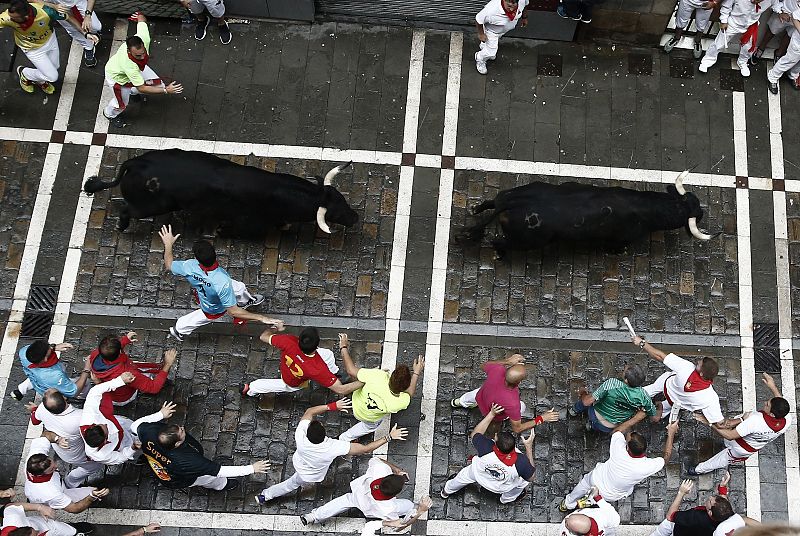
(264, 386)
(788, 62)
(684, 15)
(665, 528)
(580, 490)
(488, 48)
(45, 62)
(121, 95)
(469, 400)
(78, 475)
(190, 322)
(722, 459)
(77, 34)
(722, 41)
(51, 527)
(284, 488)
(345, 502)
(466, 476)
(210, 482)
(360, 429)
(215, 8)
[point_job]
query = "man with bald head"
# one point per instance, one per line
(502, 388)
(596, 516)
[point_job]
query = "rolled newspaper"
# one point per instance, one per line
(628, 323)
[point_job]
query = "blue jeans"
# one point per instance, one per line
(593, 420)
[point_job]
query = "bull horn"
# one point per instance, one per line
(321, 220)
(697, 233)
(333, 172)
(679, 182)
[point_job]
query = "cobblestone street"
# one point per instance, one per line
(429, 138)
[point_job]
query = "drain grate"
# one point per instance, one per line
(38, 317)
(766, 348)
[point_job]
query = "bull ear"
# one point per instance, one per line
(671, 190)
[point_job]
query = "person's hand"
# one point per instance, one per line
(496, 409)
(686, 487)
(99, 493)
(185, 3)
(699, 417)
(419, 364)
(425, 504)
(174, 87)
(746, 415)
(166, 235)
(7, 493)
(523, 22)
(515, 359)
(768, 380)
(672, 428)
(528, 441)
(636, 340)
(170, 356)
(261, 466)
(94, 38)
(86, 25)
(63, 346)
(46, 511)
(398, 433)
(141, 18)
(785, 17)
(31, 407)
(63, 442)
(168, 409)
(550, 415)
(127, 377)
(274, 322)
(723, 26)
(344, 342)
(343, 404)
(482, 37)
(725, 479)
(137, 445)
(132, 336)
(152, 527)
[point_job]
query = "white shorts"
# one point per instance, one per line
(685, 10)
(215, 8)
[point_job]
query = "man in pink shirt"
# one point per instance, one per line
(502, 388)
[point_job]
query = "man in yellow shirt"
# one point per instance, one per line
(33, 33)
(127, 73)
(382, 393)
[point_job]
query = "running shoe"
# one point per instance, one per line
(480, 65)
(224, 33)
(200, 29)
(16, 395)
(26, 85)
(89, 59)
(255, 301)
(773, 88)
(261, 500)
(698, 50)
(754, 59)
(562, 507)
(175, 335)
(47, 87)
(669, 45)
(114, 121)
(233, 483)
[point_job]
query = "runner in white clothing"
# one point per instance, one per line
(374, 494)
(316, 451)
(497, 18)
(499, 466)
(702, 10)
(108, 438)
(15, 517)
(738, 21)
(596, 518)
(779, 22)
(61, 423)
(687, 385)
(83, 12)
(43, 482)
(790, 61)
(627, 465)
(747, 434)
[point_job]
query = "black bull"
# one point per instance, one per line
(538, 213)
(243, 200)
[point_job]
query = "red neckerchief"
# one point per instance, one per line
(510, 14)
(31, 17)
(36, 479)
(48, 361)
(508, 459)
(776, 425)
(375, 489)
(8, 530)
(211, 268)
(642, 455)
(751, 35)
(696, 383)
(594, 530)
(141, 63)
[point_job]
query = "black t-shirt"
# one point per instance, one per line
(694, 522)
(179, 467)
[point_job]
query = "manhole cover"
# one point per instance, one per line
(549, 65)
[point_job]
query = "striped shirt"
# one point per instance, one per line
(617, 402)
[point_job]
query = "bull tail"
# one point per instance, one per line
(96, 184)
(475, 232)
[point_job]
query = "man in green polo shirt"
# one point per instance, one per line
(127, 73)
(616, 402)
(382, 393)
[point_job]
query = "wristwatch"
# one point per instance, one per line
(87, 12)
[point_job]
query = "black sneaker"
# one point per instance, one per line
(16, 395)
(255, 301)
(224, 33)
(773, 88)
(756, 57)
(303, 520)
(233, 483)
(137, 97)
(89, 60)
(114, 121)
(175, 335)
(200, 29)
(83, 528)
(691, 471)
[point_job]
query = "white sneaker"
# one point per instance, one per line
(745, 70)
(480, 65)
(703, 68)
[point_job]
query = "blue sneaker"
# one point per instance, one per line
(261, 500)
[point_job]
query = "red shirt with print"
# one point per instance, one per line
(298, 367)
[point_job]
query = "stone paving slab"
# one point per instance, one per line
(670, 282)
(301, 271)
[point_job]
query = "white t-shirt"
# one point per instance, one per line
(604, 515)
(616, 477)
(705, 400)
(369, 506)
(755, 433)
(50, 492)
(67, 425)
(311, 461)
(729, 526)
(14, 516)
(494, 19)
